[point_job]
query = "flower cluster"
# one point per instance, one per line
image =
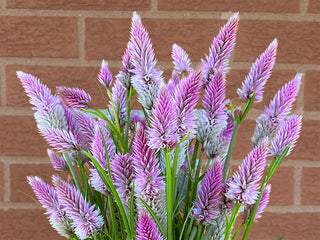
(142, 174)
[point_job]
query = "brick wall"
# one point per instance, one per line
(63, 42)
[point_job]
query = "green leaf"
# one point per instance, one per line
(280, 238)
(131, 208)
(115, 232)
(73, 172)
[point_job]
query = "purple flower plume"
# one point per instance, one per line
(119, 100)
(263, 203)
(125, 74)
(146, 79)
(86, 125)
(149, 184)
(259, 74)
(186, 97)
(162, 133)
(282, 102)
(48, 197)
(181, 60)
(220, 50)
(206, 207)
(57, 161)
(122, 169)
(74, 97)
(146, 228)
(105, 75)
(86, 221)
(244, 185)
(289, 132)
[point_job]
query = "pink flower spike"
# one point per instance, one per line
(181, 60)
(57, 161)
(105, 75)
(263, 203)
(259, 74)
(146, 228)
(74, 97)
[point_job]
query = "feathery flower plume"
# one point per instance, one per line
(57, 161)
(185, 98)
(86, 221)
(48, 197)
(162, 133)
(86, 125)
(279, 107)
(125, 74)
(122, 169)
(105, 75)
(74, 97)
(146, 79)
(149, 184)
(259, 74)
(119, 100)
(220, 50)
(244, 185)
(206, 207)
(146, 228)
(289, 132)
(181, 60)
(263, 203)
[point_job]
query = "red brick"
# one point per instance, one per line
(81, 4)
(53, 76)
(19, 137)
(282, 187)
(275, 82)
(312, 89)
(20, 189)
(192, 35)
(307, 148)
(293, 226)
(314, 6)
(298, 41)
(1, 182)
(310, 186)
(38, 36)
(26, 225)
(230, 5)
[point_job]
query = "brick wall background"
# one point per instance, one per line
(64, 41)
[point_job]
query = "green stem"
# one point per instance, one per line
(232, 220)
(200, 231)
(169, 195)
(128, 103)
(227, 160)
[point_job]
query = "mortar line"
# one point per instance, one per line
(24, 160)
(293, 209)
(10, 205)
(154, 6)
(155, 14)
(3, 4)
(81, 38)
(6, 182)
(3, 85)
(304, 4)
(297, 185)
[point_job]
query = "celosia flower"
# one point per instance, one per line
(149, 184)
(122, 169)
(289, 132)
(263, 203)
(146, 228)
(124, 76)
(206, 207)
(220, 50)
(119, 100)
(185, 98)
(259, 74)
(181, 60)
(279, 108)
(57, 161)
(244, 185)
(146, 79)
(48, 197)
(162, 133)
(86, 124)
(86, 221)
(74, 97)
(105, 75)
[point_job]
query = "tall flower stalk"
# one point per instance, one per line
(143, 174)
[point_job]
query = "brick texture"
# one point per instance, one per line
(310, 190)
(81, 4)
(26, 224)
(314, 6)
(312, 87)
(1, 182)
(38, 36)
(19, 137)
(230, 5)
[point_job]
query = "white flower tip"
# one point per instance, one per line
(273, 45)
(135, 16)
(20, 74)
